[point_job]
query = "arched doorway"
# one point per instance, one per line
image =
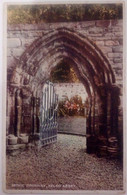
(93, 70)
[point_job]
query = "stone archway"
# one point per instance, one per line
(92, 68)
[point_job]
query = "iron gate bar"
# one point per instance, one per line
(48, 115)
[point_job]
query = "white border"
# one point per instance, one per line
(3, 90)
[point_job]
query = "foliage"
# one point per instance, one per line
(72, 107)
(63, 73)
(62, 13)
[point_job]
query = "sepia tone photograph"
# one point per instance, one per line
(64, 97)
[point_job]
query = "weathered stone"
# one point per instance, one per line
(36, 34)
(23, 139)
(9, 52)
(121, 41)
(95, 35)
(17, 52)
(103, 23)
(12, 140)
(16, 78)
(96, 30)
(119, 34)
(109, 35)
(117, 60)
(87, 24)
(26, 42)
(13, 42)
(100, 43)
(111, 43)
(106, 49)
(16, 147)
(117, 49)
(115, 55)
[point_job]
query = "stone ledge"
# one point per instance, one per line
(16, 147)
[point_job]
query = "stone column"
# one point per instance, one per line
(18, 112)
(91, 140)
(102, 122)
(113, 143)
(35, 114)
(11, 111)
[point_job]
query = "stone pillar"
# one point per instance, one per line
(33, 126)
(38, 114)
(102, 120)
(11, 110)
(18, 112)
(91, 140)
(107, 141)
(35, 114)
(113, 143)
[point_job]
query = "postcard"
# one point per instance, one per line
(64, 71)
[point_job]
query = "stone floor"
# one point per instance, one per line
(63, 166)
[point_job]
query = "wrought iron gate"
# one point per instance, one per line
(48, 114)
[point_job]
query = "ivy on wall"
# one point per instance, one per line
(32, 14)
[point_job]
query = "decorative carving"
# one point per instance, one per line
(15, 78)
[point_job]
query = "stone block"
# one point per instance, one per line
(12, 140)
(111, 43)
(106, 49)
(36, 34)
(120, 41)
(87, 24)
(99, 43)
(115, 55)
(117, 49)
(109, 35)
(13, 42)
(9, 52)
(17, 52)
(96, 35)
(117, 60)
(27, 42)
(103, 23)
(16, 147)
(96, 30)
(119, 34)
(119, 23)
(23, 139)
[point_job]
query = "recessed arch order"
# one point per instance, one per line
(92, 67)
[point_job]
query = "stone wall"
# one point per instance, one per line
(107, 35)
(70, 90)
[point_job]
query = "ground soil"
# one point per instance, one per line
(64, 165)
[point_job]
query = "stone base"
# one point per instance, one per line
(15, 149)
(12, 140)
(23, 139)
(102, 146)
(113, 148)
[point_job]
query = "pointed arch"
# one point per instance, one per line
(92, 68)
